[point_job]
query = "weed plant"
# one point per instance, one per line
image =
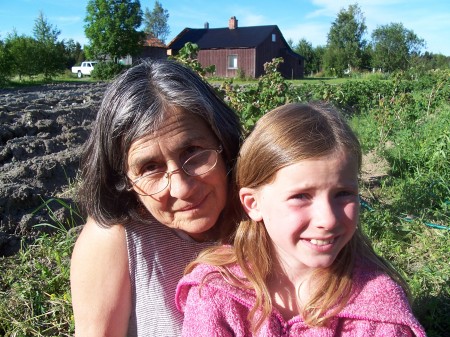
(406, 121)
(406, 214)
(34, 285)
(35, 295)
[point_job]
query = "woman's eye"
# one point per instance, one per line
(151, 168)
(190, 151)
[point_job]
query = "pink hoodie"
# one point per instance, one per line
(377, 307)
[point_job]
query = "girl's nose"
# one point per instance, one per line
(325, 214)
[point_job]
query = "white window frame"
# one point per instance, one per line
(232, 61)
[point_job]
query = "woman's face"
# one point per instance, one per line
(190, 204)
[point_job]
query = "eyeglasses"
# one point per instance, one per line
(196, 165)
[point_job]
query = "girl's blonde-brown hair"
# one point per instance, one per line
(284, 136)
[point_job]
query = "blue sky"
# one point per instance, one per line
(297, 19)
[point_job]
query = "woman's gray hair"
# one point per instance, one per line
(133, 106)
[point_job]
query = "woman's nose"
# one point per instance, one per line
(180, 184)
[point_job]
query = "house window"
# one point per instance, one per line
(232, 62)
(274, 37)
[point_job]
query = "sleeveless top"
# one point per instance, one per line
(157, 256)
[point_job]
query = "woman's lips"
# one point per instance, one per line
(192, 206)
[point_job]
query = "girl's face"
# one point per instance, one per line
(310, 210)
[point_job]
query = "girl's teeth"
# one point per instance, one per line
(321, 242)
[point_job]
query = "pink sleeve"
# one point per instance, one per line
(363, 328)
(202, 315)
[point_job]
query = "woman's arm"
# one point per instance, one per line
(100, 282)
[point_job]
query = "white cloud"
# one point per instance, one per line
(252, 19)
(316, 33)
(80, 38)
(67, 20)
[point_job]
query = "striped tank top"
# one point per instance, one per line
(157, 257)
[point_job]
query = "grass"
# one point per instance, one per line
(407, 215)
(398, 216)
(26, 81)
(420, 252)
(35, 295)
(34, 289)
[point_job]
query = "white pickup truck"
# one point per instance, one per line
(85, 68)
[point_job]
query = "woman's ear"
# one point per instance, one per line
(249, 200)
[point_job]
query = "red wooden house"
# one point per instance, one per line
(240, 49)
(152, 48)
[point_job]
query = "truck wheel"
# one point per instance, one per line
(80, 75)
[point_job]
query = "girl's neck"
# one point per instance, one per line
(289, 294)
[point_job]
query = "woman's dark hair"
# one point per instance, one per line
(134, 105)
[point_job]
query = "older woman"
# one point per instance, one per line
(156, 188)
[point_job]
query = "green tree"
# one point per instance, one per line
(394, 46)
(188, 56)
(111, 26)
(74, 53)
(434, 61)
(5, 63)
(319, 53)
(44, 32)
(23, 50)
(305, 49)
(155, 22)
(345, 41)
(50, 54)
(313, 56)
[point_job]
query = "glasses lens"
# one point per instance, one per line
(200, 163)
(153, 183)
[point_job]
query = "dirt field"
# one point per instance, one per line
(41, 132)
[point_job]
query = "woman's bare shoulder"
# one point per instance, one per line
(100, 283)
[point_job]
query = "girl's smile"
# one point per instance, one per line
(310, 210)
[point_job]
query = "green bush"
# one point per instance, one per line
(252, 101)
(34, 289)
(5, 64)
(409, 213)
(107, 70)
(405, 120)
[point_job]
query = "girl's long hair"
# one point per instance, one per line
(282, 137)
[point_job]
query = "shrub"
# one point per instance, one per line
(35, 292)
(252, 101)
(5, 64)
(107, 70)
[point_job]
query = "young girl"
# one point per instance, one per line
(300, 265)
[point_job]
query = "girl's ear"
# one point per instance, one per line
(249, 200)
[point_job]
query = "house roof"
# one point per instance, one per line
(154, 42)
(210, 38)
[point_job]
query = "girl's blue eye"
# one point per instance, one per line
(301, 196)
(347, 196)
(346, 193)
